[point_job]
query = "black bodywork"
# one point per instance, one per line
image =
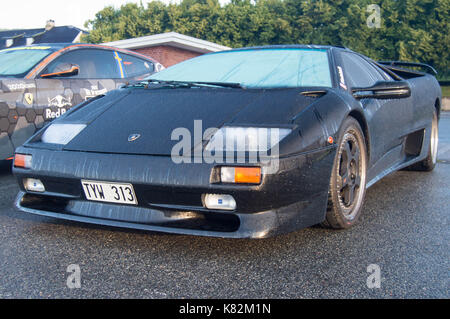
(170, 195)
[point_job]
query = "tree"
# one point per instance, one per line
(412, 30)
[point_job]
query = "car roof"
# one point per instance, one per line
(52, 46)
(292, 46)
(59, 46)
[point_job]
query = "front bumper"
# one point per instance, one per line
(170, 195)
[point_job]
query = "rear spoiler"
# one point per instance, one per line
(427, 67)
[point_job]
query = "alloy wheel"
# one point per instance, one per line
(350, 177)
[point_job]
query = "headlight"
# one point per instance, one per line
(61, 133)
(246, 139)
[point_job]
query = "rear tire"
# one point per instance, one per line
(348, 178)
(428, 164)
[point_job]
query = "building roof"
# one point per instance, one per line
(20, 37)
(173, 39)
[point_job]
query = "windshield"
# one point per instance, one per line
(263, 68)
(19, 61)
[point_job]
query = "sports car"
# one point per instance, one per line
(38, 83)
(245, 143)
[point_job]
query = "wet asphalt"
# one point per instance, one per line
(404, 230)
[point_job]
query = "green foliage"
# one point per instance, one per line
(445, 91)
(411, 30)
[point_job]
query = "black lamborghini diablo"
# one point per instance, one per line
(249, 142)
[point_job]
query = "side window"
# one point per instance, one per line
(386, 76)
(93, 63)
(358, 72)
(134, 66)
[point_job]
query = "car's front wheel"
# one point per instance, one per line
(348, 178)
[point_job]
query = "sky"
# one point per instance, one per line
(30, 14)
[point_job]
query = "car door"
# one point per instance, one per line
(98, 73)
(388, 118)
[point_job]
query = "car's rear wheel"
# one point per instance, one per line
(429, 162)
(348, 178)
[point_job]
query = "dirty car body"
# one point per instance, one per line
(127, 139)
(34, 89)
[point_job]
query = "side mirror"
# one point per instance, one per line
(62, 70)
(383, 90)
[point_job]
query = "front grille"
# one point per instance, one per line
(184, 219)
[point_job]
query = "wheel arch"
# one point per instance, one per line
(359, 117)
(437, 105)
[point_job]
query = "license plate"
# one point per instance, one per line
(109, 192)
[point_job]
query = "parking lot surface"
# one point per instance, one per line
(404, 230)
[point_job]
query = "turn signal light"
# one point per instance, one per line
(22, 161)
(243, 175)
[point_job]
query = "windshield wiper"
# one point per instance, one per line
(223, 84)
(188, 84)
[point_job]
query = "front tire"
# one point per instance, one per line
(348, 178)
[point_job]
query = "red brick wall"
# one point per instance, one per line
(167, 55)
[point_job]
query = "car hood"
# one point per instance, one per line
(154, 115)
